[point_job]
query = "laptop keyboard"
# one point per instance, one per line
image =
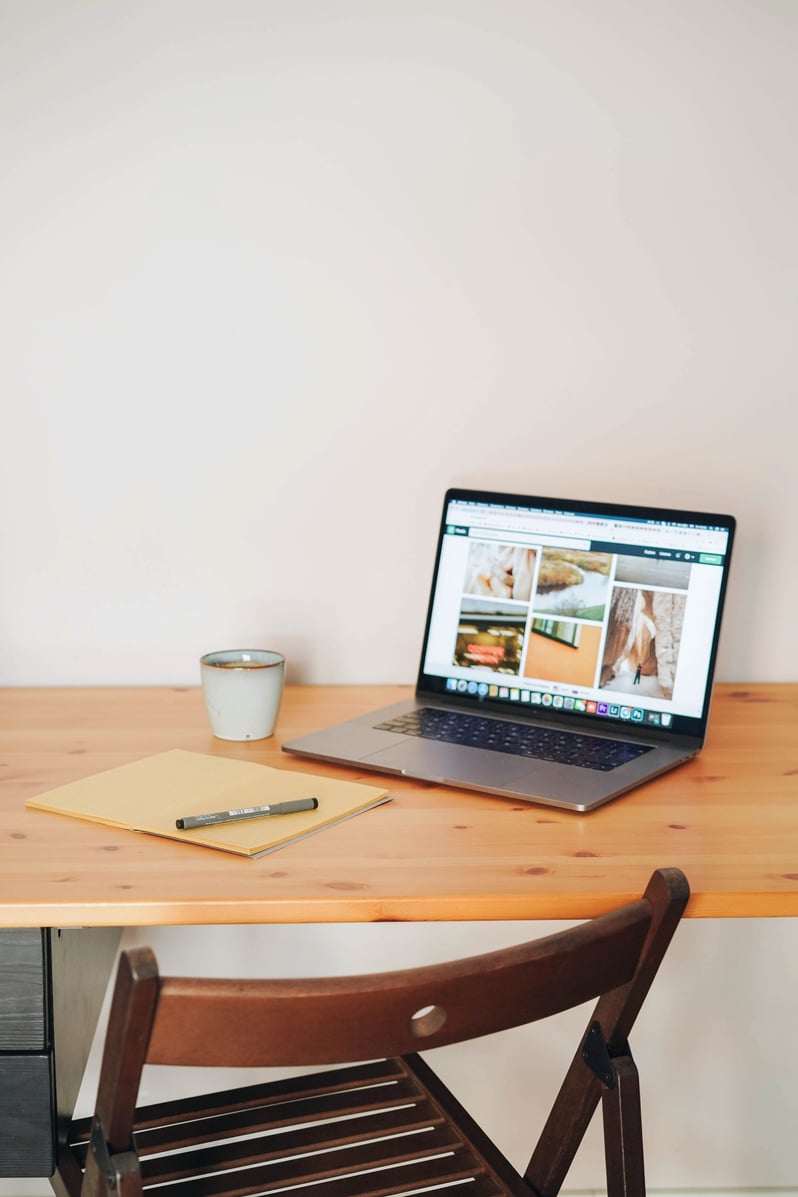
(517, 739)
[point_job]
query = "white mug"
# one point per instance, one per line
(243, 688)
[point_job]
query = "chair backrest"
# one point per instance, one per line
(210, 1022)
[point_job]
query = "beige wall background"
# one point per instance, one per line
(272, 276)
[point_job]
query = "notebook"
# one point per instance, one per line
(151, 794)
(568, 652)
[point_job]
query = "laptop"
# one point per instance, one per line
(568, 652)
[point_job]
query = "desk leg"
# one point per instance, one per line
(81, 961)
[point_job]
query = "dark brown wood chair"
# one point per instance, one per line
(384, 1123)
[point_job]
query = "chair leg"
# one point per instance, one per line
(623, 1131)
(67, 1179)
(564, 1131)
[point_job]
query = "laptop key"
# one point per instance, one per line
(516, 739)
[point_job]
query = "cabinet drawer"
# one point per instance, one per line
(23, 1017)
(27, 1137)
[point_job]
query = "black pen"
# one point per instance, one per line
(245, 812)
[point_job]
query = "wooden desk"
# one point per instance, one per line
(728, 818)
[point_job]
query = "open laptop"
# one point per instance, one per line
(568, 653)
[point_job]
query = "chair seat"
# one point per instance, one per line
(362, 1131)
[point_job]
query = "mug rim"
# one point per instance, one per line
(228, 657)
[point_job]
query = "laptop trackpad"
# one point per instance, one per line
(435, 761)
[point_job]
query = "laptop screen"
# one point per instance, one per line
(606, 612)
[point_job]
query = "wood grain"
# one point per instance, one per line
(729, 819)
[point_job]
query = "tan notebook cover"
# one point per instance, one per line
(151, 794)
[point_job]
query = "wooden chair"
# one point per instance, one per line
(386, 1126)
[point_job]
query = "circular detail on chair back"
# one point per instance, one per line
(427, 1021)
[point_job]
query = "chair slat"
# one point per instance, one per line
(150, 1137)
(374, 1072)
(280, 1144)
(299, 1167)
(245, 1121)
(382, 1182)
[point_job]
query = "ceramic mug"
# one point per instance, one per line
(243, 688)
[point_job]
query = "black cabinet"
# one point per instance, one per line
(27, 1091)
(52, 984)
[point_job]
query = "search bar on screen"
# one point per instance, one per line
(559, 542)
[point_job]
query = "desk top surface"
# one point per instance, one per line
(729, 819)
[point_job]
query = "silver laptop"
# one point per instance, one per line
(568, 653)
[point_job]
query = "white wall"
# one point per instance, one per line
(273, 275)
